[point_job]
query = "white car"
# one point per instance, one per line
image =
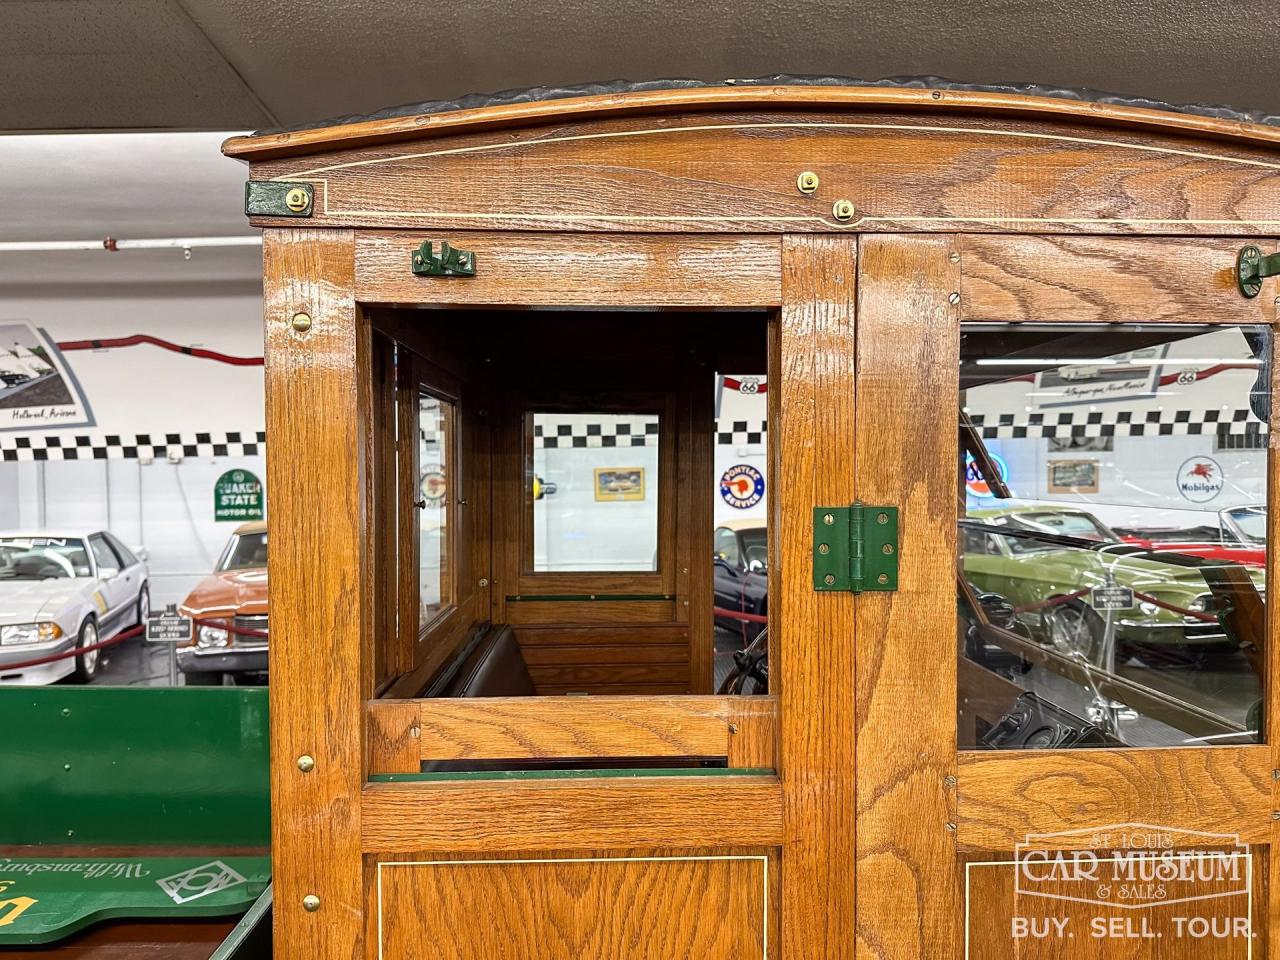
(61, 591)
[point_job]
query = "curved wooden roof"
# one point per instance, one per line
(390, 129)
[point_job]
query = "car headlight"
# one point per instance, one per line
(1149, 609)
(16, 633)
(211, 637)
(1201, 603)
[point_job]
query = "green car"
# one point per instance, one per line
(1047, 562)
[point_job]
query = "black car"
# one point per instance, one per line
(741, 582)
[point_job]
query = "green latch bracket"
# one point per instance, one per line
(1252, 268)
(855, 548)
(449, 262)
(278, 198)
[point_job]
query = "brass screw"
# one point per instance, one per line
(828, 519)
(311, 903)
(484, 581)
(824, 548)
(882, 518)
(955, 258)
(302, 322)
(882, 579)
(306, 763)
(842, 210)
(296, 200)
(733, 728)
(948, 782)
(951, 828)
(829, 579)
(807, 182)
(954, 298)
(887, 549)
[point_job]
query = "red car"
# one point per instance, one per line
(1241, 537)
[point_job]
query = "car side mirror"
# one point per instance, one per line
(108, 573)
(141, 553)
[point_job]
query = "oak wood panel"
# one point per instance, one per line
(632, 635)
(1094, 929)
(907, 389)
(812, 634)
(617, 690)
(1004, 795)
(564, 269)
(593, 813)
(618, 612)
(753, 732)
(587, 676)
(943, 102)
(902, 173)
(1110, 280)
(641, 905)
(545, 655)
(394, 736)
(505, 728)
(318, 413)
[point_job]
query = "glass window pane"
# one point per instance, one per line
(592, 482)
(435, 433)
(1112, 535)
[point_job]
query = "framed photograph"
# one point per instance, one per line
(619, 483)
(1073, 476)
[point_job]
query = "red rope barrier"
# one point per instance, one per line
(1145, 597)
(140, 338)
(75, 651)
(740, 615)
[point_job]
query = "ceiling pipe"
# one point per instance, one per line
(112, 244)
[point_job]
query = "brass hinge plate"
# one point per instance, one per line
(855, 548)
(276, 198)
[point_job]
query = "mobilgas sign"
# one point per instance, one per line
(237, 496)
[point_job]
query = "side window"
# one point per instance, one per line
(127, 558)
(102, 553)
(727, 547)
(435, 445)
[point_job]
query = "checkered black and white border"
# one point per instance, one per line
(643, 432)
(741, 433)
(23, 448)
(1050, 424)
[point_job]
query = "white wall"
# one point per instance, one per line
(148, 501)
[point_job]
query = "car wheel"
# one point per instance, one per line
(86, 663)
(1074, 629)
(144, 605)
(203, 680)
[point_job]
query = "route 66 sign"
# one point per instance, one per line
(749, 385)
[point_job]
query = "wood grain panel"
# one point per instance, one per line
(901, 172)
(683, 904)
(318, 413)
(558, 269)
(753, 731)
(633, 635)
(504, 728)
(619, 612)
(395, 736)
(1004, 795)
(811, 633)
(599, 653)
(592, 813)
(587, 676)
(1090, 930)
(908, 351)
(1112, 280)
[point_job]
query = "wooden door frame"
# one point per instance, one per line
(320, 404)
(922, 803)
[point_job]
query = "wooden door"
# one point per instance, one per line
(984, 828)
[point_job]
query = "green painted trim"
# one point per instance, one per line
(587, 597)
(158, 766)
(571, 774)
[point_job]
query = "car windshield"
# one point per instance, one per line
(755, 547)
(245, 551)
(1080, 525)
(1252, 522)
(42, 558)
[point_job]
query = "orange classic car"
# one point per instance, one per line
(229, 607)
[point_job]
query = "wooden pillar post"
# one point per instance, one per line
(319, 415)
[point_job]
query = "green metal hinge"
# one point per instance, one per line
(276, 198)
(1252, 268)
(855, 548)
(449, 262)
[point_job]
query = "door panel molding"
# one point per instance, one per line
(908, 892)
